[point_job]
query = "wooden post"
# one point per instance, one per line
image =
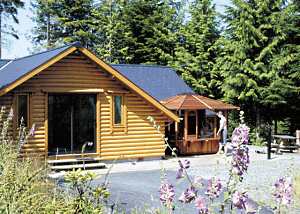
(298, 137)
(185, 124)
(197, 124)
(269, 141)
(215, 126)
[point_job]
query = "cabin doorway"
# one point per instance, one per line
(71, 123)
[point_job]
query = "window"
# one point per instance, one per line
(192, 118)
(207, 123)
(22, 109)
(117, 110)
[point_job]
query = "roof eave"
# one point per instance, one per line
(27, 76)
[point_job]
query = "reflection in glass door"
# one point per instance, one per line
(71, 123)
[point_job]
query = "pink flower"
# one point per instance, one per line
(182, 166)
(240, 135)
(240, 160)
(239, 199)
(188, 195)
(167, 193)
(283, 191)
(214, 188)
(32, 131)
(201, 205)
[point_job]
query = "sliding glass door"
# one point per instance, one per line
(71, 123)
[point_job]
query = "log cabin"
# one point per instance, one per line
(82, 106)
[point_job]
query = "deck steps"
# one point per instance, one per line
(79, 163)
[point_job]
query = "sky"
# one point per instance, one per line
(15, 48)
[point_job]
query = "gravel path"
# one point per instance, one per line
(134, 184)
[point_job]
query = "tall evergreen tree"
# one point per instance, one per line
(112, 32)
(9, 10)
(154, 24)
(248, 59)
(64, 21)
(194, 55)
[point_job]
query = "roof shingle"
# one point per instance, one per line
(160, 82)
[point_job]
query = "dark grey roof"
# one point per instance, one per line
(3, 62)
(160, 82)
(15, 69)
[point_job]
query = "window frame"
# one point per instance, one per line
(121, 124)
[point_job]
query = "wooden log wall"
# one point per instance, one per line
(75, 72)
(6, 101)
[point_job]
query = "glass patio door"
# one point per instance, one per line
(71, 123)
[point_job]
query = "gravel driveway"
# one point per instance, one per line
(136, 184)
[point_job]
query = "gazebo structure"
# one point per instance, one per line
(196, 133)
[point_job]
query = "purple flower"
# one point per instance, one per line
(32, 131)
(240, 135)
(239, 199)
(11, 114)
(167, 193)
(188, 195)
(179, 173)
(283, 191)
(214, 188)
(240, 160)
(201, 205)
(198, 180)
(182, 166)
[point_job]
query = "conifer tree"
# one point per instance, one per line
(194, 55)
(255, 34)
(112, 32)
(8, 10)
(154, 24)
(64, 21)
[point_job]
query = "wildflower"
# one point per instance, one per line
(11, 114)
(240, 135)
(239, 199)
(283, 191)
(188, 195)
(32, 131)
(201, 205)
(198, 180)
(240, 160)
(182, 166)
(214, 188)
(167, 193)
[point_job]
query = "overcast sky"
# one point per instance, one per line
(17, 48)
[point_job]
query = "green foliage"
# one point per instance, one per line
(25, 187)
(113, 32)
(154, 25)
(254, 55)
(9, 10)
(194, 54)
(63, 21)
(86, 198)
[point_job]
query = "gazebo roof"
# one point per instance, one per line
(195, 101)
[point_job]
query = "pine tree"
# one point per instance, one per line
(194, 56)
(154, 24)
(248, 59)
(112, 32)
(9, 10)
(64, 21)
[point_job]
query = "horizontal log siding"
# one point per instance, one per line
(75, 72)
(141, 138)
(36, 144)
(7, 102)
